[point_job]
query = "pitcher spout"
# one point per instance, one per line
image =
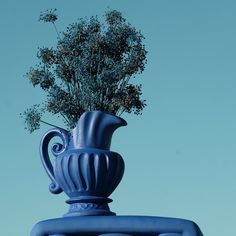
(95, 130)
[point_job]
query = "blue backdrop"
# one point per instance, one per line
(180, 154)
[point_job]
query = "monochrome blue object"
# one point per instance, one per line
(85, 169)
(105, 225)
(88, 172)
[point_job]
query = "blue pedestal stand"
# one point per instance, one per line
(116, 226)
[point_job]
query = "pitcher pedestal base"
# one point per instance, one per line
(88, 209)
(89, 206)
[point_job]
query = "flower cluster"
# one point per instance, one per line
(90, 68)
(48, 16)
(32, 118)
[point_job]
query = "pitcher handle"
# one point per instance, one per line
(57, 149)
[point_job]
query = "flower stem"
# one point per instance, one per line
(56, 30)
(51, 124)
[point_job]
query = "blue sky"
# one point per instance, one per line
(180, 154)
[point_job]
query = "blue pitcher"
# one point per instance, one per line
(84, 167)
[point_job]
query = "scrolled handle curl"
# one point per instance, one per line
(57, 149)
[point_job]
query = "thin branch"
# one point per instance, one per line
(42, 121)
(56, 30)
